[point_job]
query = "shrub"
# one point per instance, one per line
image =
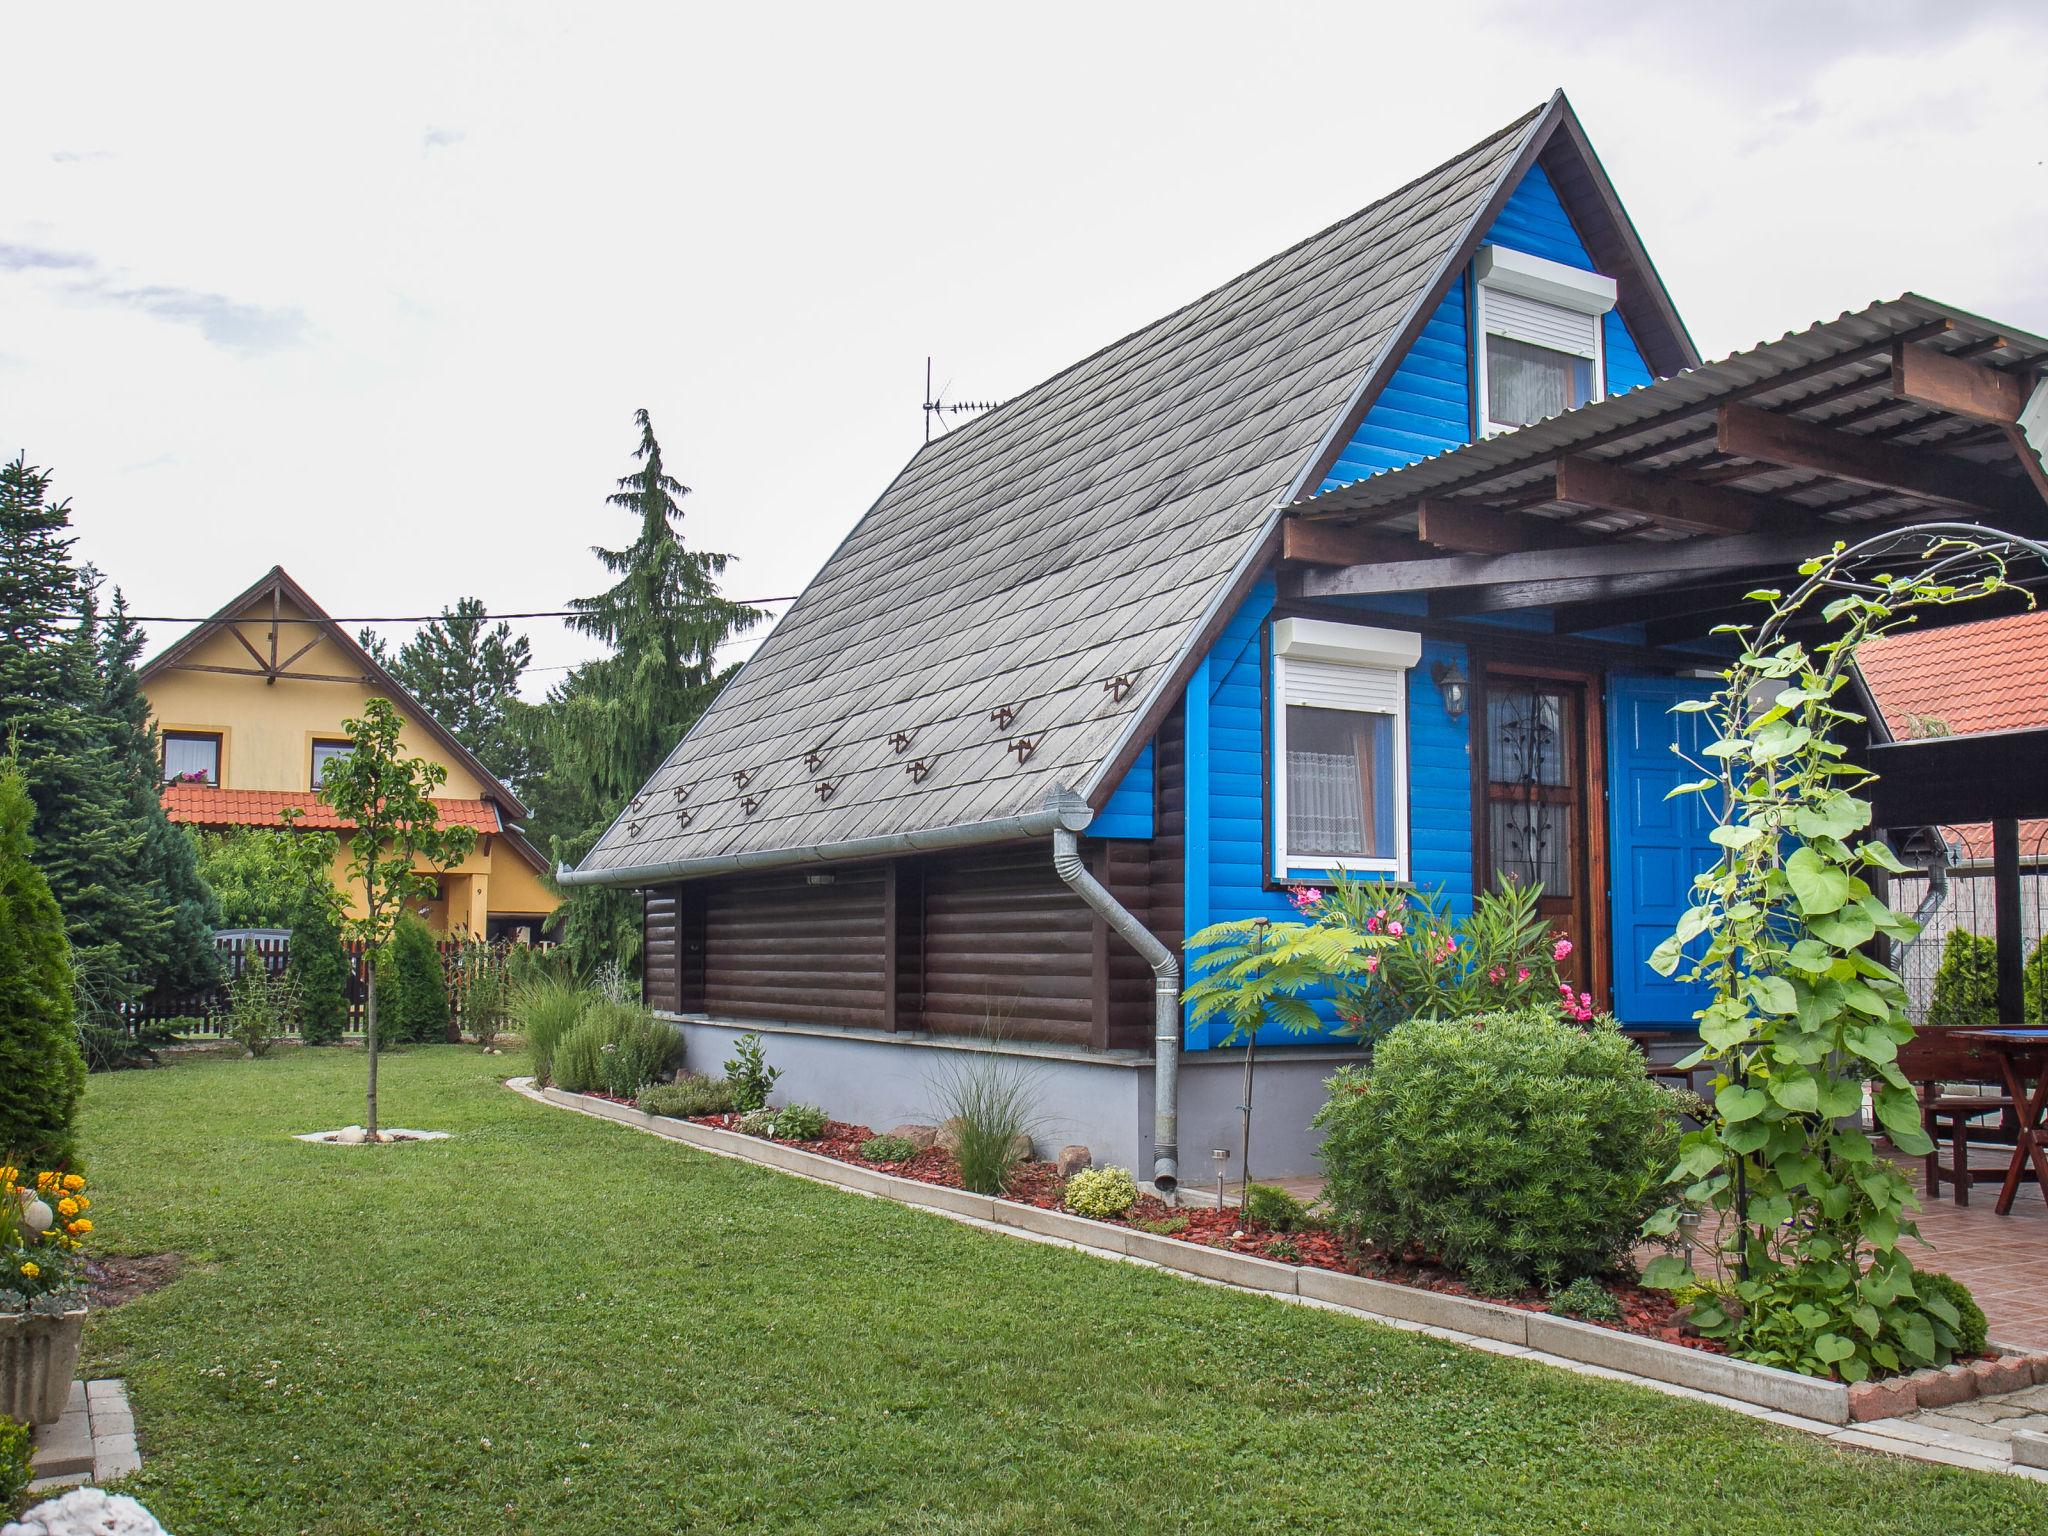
(1513, 1147)
(1589, 1299)
(483, 987)
(420, 986)
(2034, 984)
(319, 969)
(1277, 1209)
(1100, 1192)
(751, 1077)
(615, 1048)
(1971, 1329)
(687, 1097)
(41, 1072)
(545, 1008)
(990, 1103)
(1165, 1226)
(794, 1122)
(15, 1451)
(889, 1149)
(261, 1004)
(1966, 982)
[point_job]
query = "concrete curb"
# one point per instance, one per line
(1792, 1401)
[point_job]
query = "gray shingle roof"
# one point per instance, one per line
(1080, 532)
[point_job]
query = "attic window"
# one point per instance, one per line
(1541, 348)
(1340, 725)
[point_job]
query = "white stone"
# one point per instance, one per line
(356, 1136)
(86, 1512)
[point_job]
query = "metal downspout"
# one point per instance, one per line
(1066, 859)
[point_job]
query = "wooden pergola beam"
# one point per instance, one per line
(1931, 377)
(1770, 438)
(1672, 502)
(1334, 544)
(1476, 530)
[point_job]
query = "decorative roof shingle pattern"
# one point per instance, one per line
(197, 805)
(1024, 562)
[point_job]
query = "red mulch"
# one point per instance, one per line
(1647, 1313)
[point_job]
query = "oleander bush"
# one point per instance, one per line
(687, 1097)
(1100, 1192)
(1514, 1148)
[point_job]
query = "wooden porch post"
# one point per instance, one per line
(2005, 901)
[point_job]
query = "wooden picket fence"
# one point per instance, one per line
(205, 1015)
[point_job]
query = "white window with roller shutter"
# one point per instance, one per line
(1340, 754)
(1541, 344)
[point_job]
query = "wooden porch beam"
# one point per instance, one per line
(1672, 502)
(1770, 438)
(1335, 544)
(1480, 530)
(1931, 377)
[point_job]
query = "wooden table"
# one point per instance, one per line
(2021, 1053)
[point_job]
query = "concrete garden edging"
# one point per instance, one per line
(1803, 1397)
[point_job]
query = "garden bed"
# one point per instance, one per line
(1647, 1314)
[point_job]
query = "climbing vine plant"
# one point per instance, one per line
(1802, 1020)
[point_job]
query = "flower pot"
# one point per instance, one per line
(37, 1357)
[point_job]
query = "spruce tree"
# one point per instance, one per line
(41, 1072)
(613, 720)
(465, 672)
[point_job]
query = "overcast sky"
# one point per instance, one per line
(373, 291)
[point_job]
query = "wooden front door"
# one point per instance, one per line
(1535, 781)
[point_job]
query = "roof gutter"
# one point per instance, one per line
(1062, 810)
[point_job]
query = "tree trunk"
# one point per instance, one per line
(1251, 1046)
(370, 1044)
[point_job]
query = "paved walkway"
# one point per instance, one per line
(95, 1439)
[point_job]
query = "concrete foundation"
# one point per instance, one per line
(1100, 1099)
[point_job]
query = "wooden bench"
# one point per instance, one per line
(1931, 1061)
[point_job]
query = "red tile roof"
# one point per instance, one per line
(197, 805)
(1989, 676)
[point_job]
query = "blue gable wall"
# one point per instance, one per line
(1226, 845)
(1426, 406)
(1128, 811)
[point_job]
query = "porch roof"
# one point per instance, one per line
(1906, 411)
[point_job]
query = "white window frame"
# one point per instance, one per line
(1497, 269)
(1368, 648)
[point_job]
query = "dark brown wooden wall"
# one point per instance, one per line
(982, 936)
(777, 947)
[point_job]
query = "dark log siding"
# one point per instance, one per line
(1006, 943)
(660, 949)
(777, 947)
(979, 937)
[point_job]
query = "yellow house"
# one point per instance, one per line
(250, 706)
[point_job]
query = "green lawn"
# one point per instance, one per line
(553, 1324)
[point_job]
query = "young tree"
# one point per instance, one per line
(41, 1072)
(387, 799)
(465, 672)
(614, 719)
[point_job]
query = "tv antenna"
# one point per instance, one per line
(937, 407)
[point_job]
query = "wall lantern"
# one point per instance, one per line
(1450, 682)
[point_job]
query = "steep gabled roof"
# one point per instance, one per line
(278, 587)
(1016, 612)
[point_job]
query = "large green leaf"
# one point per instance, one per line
(1845, 929)
(1667, 1272)
(1818, 885)
(1797, 1092)
(1737, 1103)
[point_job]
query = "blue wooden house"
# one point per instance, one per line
(1388, 555)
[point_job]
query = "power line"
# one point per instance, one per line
(387, 618)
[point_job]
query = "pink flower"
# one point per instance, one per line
(1305, 897)
(1396, 930)
(1521, 973)
(1561, 948)
(1372, 925)
(1496, 974)
(1372, 963)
